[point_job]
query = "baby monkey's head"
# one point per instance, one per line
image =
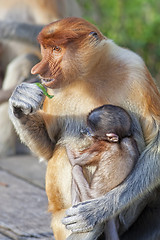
(110, 123)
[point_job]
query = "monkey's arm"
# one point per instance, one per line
(28, 120)
(84, 158)
(23, 32)
(5, 95)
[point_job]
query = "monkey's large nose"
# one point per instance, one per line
(34, 69)
(40, 68)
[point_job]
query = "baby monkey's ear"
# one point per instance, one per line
(112, 137)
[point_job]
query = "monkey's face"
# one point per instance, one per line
(67, 48)
(50, 66)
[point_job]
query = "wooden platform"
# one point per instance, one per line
(23, 201)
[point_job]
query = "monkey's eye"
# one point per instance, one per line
(94, 34)
(57, 49)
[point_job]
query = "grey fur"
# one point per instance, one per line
(97, 231)
(27, 98)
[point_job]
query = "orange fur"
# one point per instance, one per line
(58, 188)
(73, 29)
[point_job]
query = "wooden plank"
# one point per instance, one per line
(23, 209)
(26, 167)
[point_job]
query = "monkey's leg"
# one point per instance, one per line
(75, 192)
(82, 189)
(80, 183)
(58, 190)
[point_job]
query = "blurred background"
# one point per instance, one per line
(131, 24)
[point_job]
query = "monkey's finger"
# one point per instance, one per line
(69, 220)
(21, 105)
(18, 105)
(27, 91)
(88, 235)
(79, 229)
(30, 102)
(84, 216)
(80, 207)
(77, 224)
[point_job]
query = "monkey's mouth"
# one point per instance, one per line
(48, 81)
(54, 82)
(45, 80)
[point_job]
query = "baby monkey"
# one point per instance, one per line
(113, 152)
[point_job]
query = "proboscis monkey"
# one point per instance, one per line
(113, 153)
(83, 70)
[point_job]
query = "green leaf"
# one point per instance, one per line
(44, 90)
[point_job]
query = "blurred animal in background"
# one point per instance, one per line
(19, 50)
(83, 69)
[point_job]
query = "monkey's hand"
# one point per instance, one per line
(85, 216)
(26, 99)
(29, 123)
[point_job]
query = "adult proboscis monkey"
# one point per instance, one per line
(83, 70)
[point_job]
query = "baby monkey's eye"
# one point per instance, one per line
(57, 49)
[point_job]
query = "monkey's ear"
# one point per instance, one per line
(94, 34)
(112, 137)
